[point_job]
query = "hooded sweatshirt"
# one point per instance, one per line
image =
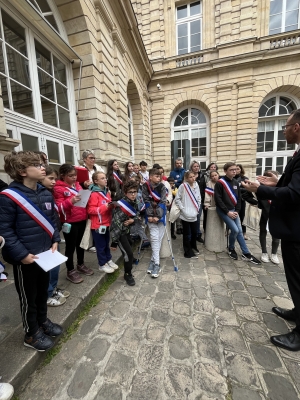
(188, 211)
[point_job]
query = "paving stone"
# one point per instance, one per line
(241, 298)
(180, 347)
(179, 307)
(275, 323)
(251, 281)
(209, 377)
(97, 349)
(283, 302)
(180, 326)
(256, 332)
(109, 327)
(279, 387)
(264, 305)
(201, 292)
(149, 290)
(204, 322)
(273, 289)
(227, 318)
(178, 382)
(88, 326)
(242, 270)
(164, 287)
(208, 347)
(248, 312)
(150, 357)
(231, 276)
(240, 370)
(216, 279)
(128, 295)
(293, 368)
(142, 302)
(143, 387)
(220, 289)
(130, 339)
(265, 279)
(234, 285)
(257, 291)
(232, 339)
(120, 309)
(161, 316)
(199, 282)
(109, 391)
(279, 277)
(119, 368)
(203, 306)
(214, 271)
(182, 294)
(265, 356)
(222, 302)
(239, 393)
(82, 380)
(210, 257)
(136, 319)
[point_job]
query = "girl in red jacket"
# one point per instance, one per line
(66, 195)
(99, 209)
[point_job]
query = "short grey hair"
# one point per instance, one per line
(179, 159)
(86, 153)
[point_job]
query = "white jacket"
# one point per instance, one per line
(188, 211)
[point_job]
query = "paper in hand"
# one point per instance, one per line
(85, 195)
(48, 260)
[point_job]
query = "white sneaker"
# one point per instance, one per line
(6, 391)
(55, 301)
(274, 259)
(106, 268)
(265, 257)
(61, 293)
(92, 249)
(112, 264)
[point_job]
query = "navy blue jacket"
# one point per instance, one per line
(21, 233)
(178, 175)
(284, 217)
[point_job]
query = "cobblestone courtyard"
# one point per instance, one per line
(201, 333)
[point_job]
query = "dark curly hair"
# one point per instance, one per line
(130, 185)
(65, 169)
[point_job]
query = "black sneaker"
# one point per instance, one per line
(232, 254)
(251, 258)
(129, 279)
(39, 341)
(51, 329)
(199, 239)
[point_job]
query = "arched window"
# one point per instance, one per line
(189, 138)
(130, 131)
(273, 152)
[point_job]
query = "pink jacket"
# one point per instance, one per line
(67, 211)
(98, 203)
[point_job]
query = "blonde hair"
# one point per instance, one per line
(95, 174)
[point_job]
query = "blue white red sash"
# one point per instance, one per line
(232, 195)
(155, 196)
(31, 209)
(56, 208)
(117, 178)
(104, 196)
(209, 191)
(72, 190)
(191, 195)
(127, 208)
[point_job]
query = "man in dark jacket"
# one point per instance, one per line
(178, 172)
(284, 222)
(28, 227)
(228, 202)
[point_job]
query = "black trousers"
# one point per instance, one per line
(189, 237)
(127, 253)
(263, 236)
(32, 286)
(73, 240)
(291, 256)
(242, 215)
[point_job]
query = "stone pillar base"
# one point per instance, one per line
(165, 248)
(215, 232)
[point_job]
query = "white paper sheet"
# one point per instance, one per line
(85, 195)
(3, 277)
(48, 260)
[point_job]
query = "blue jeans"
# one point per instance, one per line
(102, 246)
(53, 274)
(236, 232)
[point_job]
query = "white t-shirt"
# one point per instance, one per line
(145, 175)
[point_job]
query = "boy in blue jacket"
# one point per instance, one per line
(28, 225)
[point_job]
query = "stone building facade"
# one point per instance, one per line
(150, 79)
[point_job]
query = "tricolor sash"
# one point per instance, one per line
(209, 191)
(31, 209)
(127, 208)
(155, 196)
(56, 208)
(191, 195)
(104, 196)
(117, 178)
(72, 190)
(232, 195)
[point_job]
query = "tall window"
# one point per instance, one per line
(188, 27)
(284, 16)
(44, 9)
(273, 152)
(189, 136)
(130, 130)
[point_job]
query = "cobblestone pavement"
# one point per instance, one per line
(201, 333)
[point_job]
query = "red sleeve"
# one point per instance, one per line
(62, 200)
(93, 204)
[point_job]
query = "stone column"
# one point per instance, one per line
(215, 232)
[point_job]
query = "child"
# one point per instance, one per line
(174, 190)
(125, 214)
(154, 196)
(66, 195)
(143, 171)
(136, 169)
(28, 223)
(209, 200)
(189, 201)
(128, 173)
(56, 297)
(228, 202)
(99, 209)
(137, 230)
(114, 180)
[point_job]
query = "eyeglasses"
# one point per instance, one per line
(132, 192)
(92, 158)
(285, 126)
(38, 166)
